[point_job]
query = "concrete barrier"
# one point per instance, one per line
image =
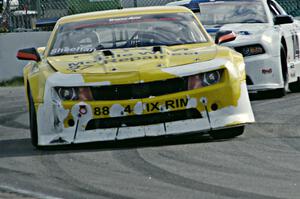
(10, 43)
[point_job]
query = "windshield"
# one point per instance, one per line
(220, 13)
(127, 32)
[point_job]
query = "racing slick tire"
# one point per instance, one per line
(227, 133)
(281, 92)
(295, 86)
(32, 121)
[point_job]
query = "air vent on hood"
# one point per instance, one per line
(107, 53)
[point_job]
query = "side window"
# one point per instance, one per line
(280, 10)
(274, 10)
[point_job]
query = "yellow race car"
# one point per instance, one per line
(133, 73)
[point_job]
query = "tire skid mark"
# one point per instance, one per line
(132, 159)
(294, 144)
(7, 120)
(6, 170)
(4, 189)
(292, 139)
(205, 165)
(6, 108)
(55, 169)
(25, 193)
(267, 102)
(262, 161)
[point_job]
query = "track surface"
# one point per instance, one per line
(263, 163)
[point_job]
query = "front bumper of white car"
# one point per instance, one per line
(263, 73)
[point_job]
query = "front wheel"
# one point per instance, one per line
(281, 92)
(295, 86)
(33, 121)
(227, 133)
(278, 93)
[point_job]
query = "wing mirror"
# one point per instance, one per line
(225, 36)
(29, 54)
(283, 19)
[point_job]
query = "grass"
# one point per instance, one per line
(16, 81)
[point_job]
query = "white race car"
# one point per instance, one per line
(262, 31)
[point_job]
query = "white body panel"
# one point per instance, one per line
(264, 71)
(269, 37)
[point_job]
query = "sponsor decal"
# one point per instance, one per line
(67, 50)
(267, 71)
(127, 56)
(148, 107)
(169, 104)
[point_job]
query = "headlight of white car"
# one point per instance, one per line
(250, 50)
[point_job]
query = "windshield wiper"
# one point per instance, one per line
(175, 44)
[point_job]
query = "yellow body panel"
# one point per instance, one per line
(137, 66)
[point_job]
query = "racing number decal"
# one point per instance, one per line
(105, 110)
(101, 110)
(296, 45)
(150, 107)
(128, 109)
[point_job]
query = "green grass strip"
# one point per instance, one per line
(16, 81)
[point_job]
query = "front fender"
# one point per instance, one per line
(35, 76)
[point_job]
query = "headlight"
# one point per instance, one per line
(250, 50)
(211, 78)
(67, 93)
(204, 79)
(79, 93)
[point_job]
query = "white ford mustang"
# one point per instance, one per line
(267, 37)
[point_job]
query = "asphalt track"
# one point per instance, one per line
(264, 163)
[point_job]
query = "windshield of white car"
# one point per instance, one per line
(127, 32)
(229, 12)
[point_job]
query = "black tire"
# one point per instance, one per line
(281, 92)
(278, 93)
(227, 133)
(33, 121)
(295, 86)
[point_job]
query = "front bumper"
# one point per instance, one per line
(263, 73)
(222, 105)
(233, 109)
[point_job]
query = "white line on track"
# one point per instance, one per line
(27, 193)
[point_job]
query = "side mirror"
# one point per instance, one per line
(224, 36)
(29, 54)
(283, 19)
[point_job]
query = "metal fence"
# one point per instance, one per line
(143, 3)
(291, 6)
(27, 13)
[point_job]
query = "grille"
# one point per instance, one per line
(141, 90)
(140, 120)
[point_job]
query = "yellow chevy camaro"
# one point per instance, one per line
(133, 73)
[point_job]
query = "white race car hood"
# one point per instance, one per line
(246, 29)
(240, 29)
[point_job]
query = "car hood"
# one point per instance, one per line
(133, 60)
(240, 28)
